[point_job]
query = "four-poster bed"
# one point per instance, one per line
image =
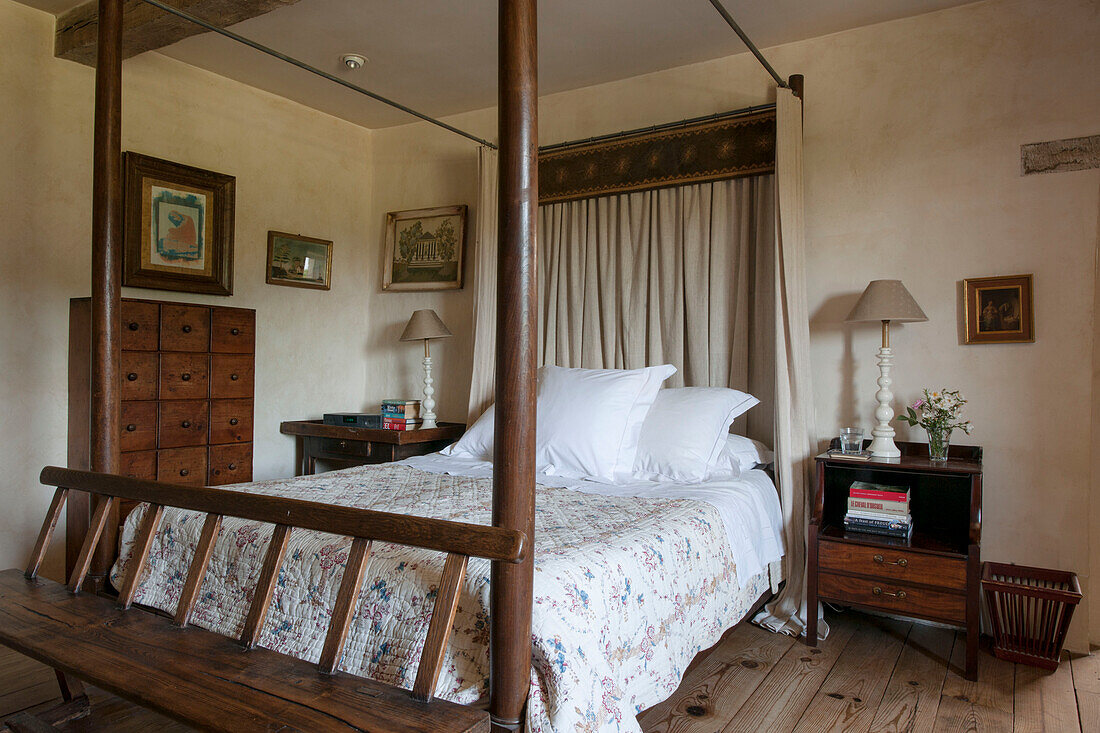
(514, 477)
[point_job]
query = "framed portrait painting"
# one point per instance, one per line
(178, 227)
(297, 261)
(425, 249)
(999, 310)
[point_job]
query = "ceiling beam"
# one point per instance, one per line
(146, 28)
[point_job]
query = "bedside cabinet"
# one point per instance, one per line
(934, 575)
(359, 446)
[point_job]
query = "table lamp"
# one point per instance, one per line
(885, 300)
(425, 324)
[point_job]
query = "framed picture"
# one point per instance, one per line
(297, 261)
(425, 249)
(178, 227)
(999, 310)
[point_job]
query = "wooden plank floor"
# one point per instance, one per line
(871, 674)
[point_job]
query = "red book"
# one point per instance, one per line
(878, 494)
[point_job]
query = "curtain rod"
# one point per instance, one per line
(748, 42)
(656, 128)
(314, 70)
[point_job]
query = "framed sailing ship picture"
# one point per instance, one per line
(297, 261)
(178, 226)
(425, 249)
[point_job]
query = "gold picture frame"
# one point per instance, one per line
(299, 262)
(999, 310)
(425, 249)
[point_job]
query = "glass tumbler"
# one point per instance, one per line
(851, 440)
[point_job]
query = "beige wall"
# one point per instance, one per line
(912, 169)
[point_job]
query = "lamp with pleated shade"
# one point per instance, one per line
(885, 301)
(426, 325)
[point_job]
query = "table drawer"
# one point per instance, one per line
(182, 466)
(139, 375)
(892, 564)
(139, 426)
(894, 597)
(183, 423)
(184, 328)
(184, 376)
(231, 376)
(138, 464)
(230, 421)
(230, 464)
(233, 331)
(350, 448)
(139, 326)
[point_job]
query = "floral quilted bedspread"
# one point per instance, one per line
(627, 591)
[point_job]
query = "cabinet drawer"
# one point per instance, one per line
(139, 375)
(139, 426)
(233, 331)
(230, 464)
(184, 376)
(139, 464)
(182, 466)
(892, 564)
(183, 423)
(350, 448)
(230, 421)
(895, 597)
(139, 326)
(184, 328)
(231, 376)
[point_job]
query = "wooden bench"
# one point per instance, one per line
(207, 680)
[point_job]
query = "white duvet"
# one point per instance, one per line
(631, 582)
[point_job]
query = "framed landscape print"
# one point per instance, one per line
(297, 261)
(425, 249)
(178, 227)
(999, 310)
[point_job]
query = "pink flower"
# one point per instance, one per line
(918, 404)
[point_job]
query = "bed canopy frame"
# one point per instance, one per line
(516, 344)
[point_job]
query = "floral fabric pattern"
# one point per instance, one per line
(627, 590)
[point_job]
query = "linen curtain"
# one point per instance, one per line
(485, 286)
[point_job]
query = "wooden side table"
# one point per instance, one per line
(934, 575)
(359, 446)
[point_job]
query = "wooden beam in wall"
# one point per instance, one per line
(147, 28)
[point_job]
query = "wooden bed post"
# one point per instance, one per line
(106, 265)
(516, 388)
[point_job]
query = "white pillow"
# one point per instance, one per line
(588, 422)
(737, 455)
(686, 430)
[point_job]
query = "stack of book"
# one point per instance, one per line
(401, 415)
(878, 509)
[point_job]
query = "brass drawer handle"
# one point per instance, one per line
(187, 329)
(132, 376)
(233, 421)
(235, 331)
(131, 428)
(184, 472)
(185, 377)
(185, 424)
(234, 377)
(901, 562)
(900, 595)
(232, 466)
(133, 326)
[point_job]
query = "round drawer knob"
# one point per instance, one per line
(343, 444)
(234, 377)
(184, 472)
(233, 421)
(232, 466)
(185, 424)
(185, 377)
(187, 329)
(133, 326)
(131, 428)
(132, 376)
(235, 331)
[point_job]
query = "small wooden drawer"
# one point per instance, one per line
(184, 328)
(184, 376)
(139, 325)
(139, 464)
(183, 423)
(139, 426)
(895, 597)
(230, 464)
(892, 564)
(351, 448)
(231, 376)
(233, 331)
(182, 466)
(139, 375)
(230, 421)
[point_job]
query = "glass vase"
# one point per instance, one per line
(939, 440)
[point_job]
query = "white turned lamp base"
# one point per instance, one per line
(428, 411)
(882, 443)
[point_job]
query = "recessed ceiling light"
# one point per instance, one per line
(353, 60)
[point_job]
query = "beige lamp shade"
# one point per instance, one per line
(425, 324)
(886, 300)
